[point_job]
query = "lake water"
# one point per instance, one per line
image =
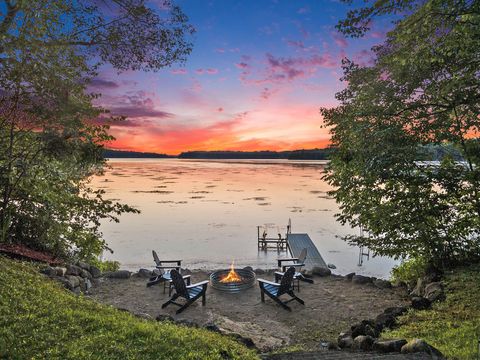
(206, 212)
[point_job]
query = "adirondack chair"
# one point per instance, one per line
(297, 263)
(190, 293)
(275, 290)
(162, 273)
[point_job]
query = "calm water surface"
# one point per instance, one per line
(207, 212)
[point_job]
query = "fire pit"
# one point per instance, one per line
(233, 280)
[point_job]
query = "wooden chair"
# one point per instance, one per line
(275, 290)
(189, 293)
(297, 263)
(162, 273)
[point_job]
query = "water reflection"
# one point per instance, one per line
(206, 212)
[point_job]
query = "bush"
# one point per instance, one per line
(452, 326)
(41, 320)
(409, 271)
(105, 265)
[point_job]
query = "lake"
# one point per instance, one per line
(206, 212)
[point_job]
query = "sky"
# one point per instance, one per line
(255, 80)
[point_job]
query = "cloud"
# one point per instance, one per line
(340, 40)
(99, 83)
(220, 109)
(178, 71)
(209, 71)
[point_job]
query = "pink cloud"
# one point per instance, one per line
(340, 40)
(209, 71)
(178, 71)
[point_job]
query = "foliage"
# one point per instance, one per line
(49, 141)
(40, 320)
(409, 271)
(424, 88)
(105, 265)
(452, 326)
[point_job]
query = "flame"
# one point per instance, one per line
(232, 276)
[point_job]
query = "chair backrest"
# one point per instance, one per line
(156, 259)
(179, 284)
(286, 282)
(302, 256)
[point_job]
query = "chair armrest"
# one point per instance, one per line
(201, 283)
(263, 281)
(283, 260)
(284, 267)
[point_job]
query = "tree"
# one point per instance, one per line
(423, 89)
(49, 144)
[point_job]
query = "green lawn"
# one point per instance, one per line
(40, 320)
(452, 326)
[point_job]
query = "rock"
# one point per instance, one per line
(419, 289)
(49, 271)
(74, 280)
(420, 303)
(331, 266)
(73, 270)
(164, 317)
(382, 284)
(321, 271)
(418, 345)
(145, 273)
(64, 281)
(143, 315)
(248, 342)
(327, 345)
(383, 321)
(85, 274)
(77, 290)
(83, 265)
(88, 284)
(345, 341)
(396, 310)
(95, 271)
(187, 322)
(83, 285)
(360, 279)
(363, 342)
(366, 327)
(389, 345)
(349, 276)
(434, 292)
(119, 274)
(61, 271)
(212, 327)
(259, 271)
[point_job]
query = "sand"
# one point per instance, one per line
(332, 304)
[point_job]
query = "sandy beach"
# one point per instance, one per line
(332, 304)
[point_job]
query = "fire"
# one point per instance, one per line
(232, 276)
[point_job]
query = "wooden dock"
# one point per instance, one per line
(297, 242)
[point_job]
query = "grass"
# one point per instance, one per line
(40, 320)
(452, 326)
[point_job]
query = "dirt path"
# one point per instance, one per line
(332, 304)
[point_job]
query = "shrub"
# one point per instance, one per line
(409, 271)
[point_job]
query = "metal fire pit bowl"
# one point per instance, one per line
(248, 280)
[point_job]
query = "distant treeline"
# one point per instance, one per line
(108, 153)
(313, 154)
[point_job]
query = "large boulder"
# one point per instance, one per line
(74, 280)
(95, 271)
(366, 327)
(321, 271)
(49, 271)
(383, 321)
(420, 303)
(389, 345)
(363, 342)
(83, 265)
(61, 271)
(396, 310)
(349, 276)
(119, 274)
(145, 273)
(73, 270)
(382, 284)
(418, 345)
(434, 291)
(85, 274)
(345, 340)
(360, 279)
(64, 281)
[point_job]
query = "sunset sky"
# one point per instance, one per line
(258, 73)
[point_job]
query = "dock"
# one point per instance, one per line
(297, 242)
